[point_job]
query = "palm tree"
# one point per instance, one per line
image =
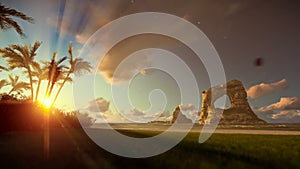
(77, 66)
(21, 57)
(6, 22)
(40, 73)
(55, 71)
(3, 83)
(17, 86)
(3, 68)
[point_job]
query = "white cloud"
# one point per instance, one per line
(165, 118)
(136, 112)
(287, 114)
(189, 111)
(105, 117)
(285, 103)
(141, 116)
(187, 107)
(286, 110)
(262, 89)
(98, 105)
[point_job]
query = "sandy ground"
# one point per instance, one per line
(272, 129)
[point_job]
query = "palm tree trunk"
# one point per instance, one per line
(47, 89)
(31, 84)
(50, 78)
(37, 90)
(51, 88)
(11, 90)
(61, 86)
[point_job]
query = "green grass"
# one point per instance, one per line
(73, 149)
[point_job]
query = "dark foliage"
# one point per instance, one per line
(16, 115)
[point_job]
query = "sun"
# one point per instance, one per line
(47, 103)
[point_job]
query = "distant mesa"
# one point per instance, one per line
(178, 117)
(240, 111)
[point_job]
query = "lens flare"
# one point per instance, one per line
(47, 103)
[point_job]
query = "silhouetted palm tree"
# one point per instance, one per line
(21, 57)
(55, 71)
(3, 83)
(6, 21)
(17, 86)
(77, 66)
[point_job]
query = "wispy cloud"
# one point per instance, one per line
(288, 114)
(285, 103)
(263, 89)
(286, 110)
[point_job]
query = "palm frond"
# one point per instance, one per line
(11, 23)
(54, 55)
(36, 66)
(61, 60)
(16, 85)
(6, 22)
(80, 67)
(70, 52)
(3, 68)
(20, 87)
(33, 49)
(4, 11)
(3, 83)
(11, 78)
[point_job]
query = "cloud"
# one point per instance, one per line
(98, 105)
(105, 117)
(165, 118)
(189, 111)
(262, 89)
(136, 112)
(285, 103)
(187, 107)
(141, 116)
(287, 114)
(115, 70)
(287, 110)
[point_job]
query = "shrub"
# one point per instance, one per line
(18, 115)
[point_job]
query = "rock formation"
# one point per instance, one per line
(178, 117)
(240, 111)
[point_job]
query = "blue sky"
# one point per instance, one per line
(241, 31)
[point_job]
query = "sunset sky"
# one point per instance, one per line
(241, 31)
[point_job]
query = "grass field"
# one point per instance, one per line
(73, 149)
